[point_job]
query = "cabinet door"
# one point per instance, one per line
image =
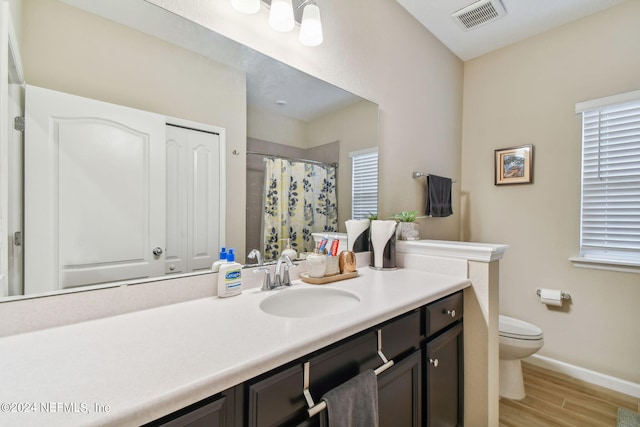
(216, 411)
(400, 393)
(444, 392)
(277, 399)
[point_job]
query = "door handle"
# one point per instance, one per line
(157, 251)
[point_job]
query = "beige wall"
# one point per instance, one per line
(356, 127)
(378, 51)
(69, 50)
(526, 94)
(270, 126)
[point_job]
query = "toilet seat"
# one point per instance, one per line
(518, 329)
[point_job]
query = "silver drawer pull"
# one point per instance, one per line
(451, 313)
(434, 362)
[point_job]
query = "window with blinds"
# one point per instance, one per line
(364, 183)
(610, 208)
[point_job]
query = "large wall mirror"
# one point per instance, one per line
(136, 54)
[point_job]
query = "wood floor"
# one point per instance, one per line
(555, 399)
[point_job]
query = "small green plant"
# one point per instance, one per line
(372, 216)
(406, 216)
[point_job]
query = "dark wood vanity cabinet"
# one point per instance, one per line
(215, 411)
(413, 392)
(443, 359)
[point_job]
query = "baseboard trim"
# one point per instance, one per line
(593, 377)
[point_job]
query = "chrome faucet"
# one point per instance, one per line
(280, 278)
(257, 255)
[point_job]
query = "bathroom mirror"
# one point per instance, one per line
(247, 80)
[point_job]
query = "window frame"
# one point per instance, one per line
(356, 181)
(605, 256)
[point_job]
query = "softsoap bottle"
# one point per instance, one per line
(222, 260)
(230, 277)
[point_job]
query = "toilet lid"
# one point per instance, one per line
(519, 329)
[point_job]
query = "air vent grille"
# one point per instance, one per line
(478, 13)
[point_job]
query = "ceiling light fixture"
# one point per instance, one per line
(283, 17)
(311, 26)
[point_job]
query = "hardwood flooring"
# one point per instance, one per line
(555, 399)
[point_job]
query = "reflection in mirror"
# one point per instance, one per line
(138, 55)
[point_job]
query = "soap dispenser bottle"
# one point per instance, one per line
(230, 277)
(291, 253)
(222, 260)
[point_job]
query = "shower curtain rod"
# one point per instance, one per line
(275, 156)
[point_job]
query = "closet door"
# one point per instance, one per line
(94, 192)
(194, 198)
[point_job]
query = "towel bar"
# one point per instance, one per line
(315, 409)
(420, 174)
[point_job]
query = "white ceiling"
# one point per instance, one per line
(524, 19)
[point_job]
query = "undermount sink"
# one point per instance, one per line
(309, 302)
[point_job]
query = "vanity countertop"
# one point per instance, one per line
(133, 368)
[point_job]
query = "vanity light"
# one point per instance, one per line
(246, 6)
(311, 27)
(281, 15)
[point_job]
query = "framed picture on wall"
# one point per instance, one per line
(514, 165)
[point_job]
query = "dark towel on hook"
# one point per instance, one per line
(438, 196)
(354, 403)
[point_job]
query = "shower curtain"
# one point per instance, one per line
(300, 199)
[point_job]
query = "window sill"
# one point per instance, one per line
(620, 266)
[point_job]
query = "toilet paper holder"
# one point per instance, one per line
(565, 296)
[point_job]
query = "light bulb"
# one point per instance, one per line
(246, 6)
(281, 15)
(311, 26)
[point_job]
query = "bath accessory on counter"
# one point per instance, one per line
(553, 297)
(316, 265)
(357, 234)
(327, 279)
(230, 277)
(316, 409)
(383, 242)
(347, 262)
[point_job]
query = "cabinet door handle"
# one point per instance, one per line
(434, 362)
(451, 313)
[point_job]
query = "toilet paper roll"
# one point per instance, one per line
(551, 297)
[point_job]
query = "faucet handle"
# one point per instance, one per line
(266, 281)
(286, 281)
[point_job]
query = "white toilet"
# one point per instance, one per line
(518, 339)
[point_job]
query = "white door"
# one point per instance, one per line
(194, 193)
(94, 192)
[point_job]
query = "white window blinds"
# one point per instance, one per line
(610, 211)
(364, 183)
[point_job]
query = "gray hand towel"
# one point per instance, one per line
(438, 196)
(353, 403)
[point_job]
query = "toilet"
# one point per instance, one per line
(517, 340)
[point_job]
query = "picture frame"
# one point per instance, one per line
(513, 165)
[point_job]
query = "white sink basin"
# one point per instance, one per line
(309, 302)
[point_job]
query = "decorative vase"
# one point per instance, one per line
(408, 231)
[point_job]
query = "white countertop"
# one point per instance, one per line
(143, 365)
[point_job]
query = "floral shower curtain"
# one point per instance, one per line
(300, 199)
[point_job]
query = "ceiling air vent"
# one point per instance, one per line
(479, 13)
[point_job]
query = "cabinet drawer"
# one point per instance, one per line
(443, 312)
(401, 334)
